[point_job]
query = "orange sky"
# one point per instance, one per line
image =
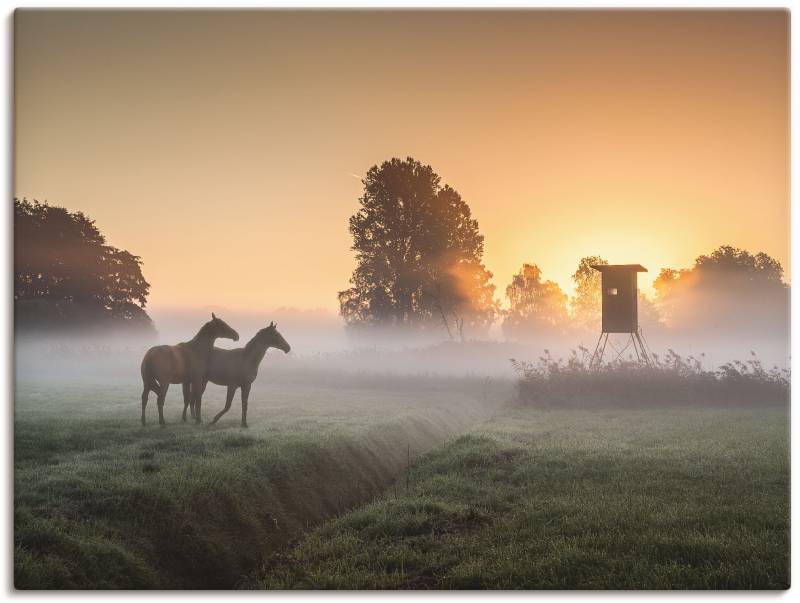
(224, 148)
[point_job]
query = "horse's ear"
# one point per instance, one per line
(272, 324)
(213, 316)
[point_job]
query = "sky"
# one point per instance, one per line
(226, 147)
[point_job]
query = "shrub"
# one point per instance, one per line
(668, 381)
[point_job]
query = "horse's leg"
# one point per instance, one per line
(162, 394)
(228, 402)
(191, 400)
(187, 399)
(245, 396)
(198, 387)
(145, 394)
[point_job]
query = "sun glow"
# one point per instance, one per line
(574, 134)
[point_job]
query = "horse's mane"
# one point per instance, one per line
(205, 329)
(253, 342)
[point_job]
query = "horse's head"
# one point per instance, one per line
(273, 339)
(218, 328)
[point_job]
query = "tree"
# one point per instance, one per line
(418, 253)
(731, 261)
(729, 291)
(535, 307)
(649, 317)
(665, 285)
(460, 293)
(587, 301)
(65, 275)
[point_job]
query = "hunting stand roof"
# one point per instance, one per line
(632, 267)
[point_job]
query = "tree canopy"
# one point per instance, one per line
(536, 307)
(419, 255)
(587, 301)
(729, 290)
(66, 276)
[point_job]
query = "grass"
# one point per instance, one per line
(619, 478)
(571, 499)
(101, 502)
(671, 380)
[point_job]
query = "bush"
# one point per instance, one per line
(668, 381)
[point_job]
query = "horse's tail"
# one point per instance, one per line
(148, 378)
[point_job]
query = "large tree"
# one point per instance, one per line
(536, 307)
(419, 255)
(66, 276)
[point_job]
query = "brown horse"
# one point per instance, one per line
(185, 363)
(239, 367)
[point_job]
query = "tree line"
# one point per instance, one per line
(419, 265)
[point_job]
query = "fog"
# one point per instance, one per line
(323, 349)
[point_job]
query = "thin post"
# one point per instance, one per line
(635, 348)
(645, 355)
(595, 357)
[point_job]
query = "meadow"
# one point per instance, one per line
(571, 499)
(558, 480)
(102, 502)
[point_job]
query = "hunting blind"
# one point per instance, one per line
(619, 295)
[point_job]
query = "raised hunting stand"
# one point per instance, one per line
(620, 309)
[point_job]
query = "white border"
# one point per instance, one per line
(6, 255)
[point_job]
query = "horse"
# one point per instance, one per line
(185, 363)
(239, 367)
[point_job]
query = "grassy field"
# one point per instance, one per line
(571, 499)
(101, 502)
(318, 493)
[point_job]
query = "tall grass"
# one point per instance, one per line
(669, 380)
